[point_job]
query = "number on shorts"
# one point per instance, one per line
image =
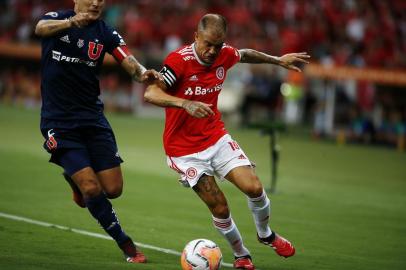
(234, 145)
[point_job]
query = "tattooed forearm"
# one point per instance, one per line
(255, 57)
(50, 27)
(136, 68)
(189, 106)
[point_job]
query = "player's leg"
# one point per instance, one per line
(106, 162)
(231, 163)
(208, 190)
(196, 171)
(102, 210)
(76, 193)
(111, 181)
(57, 141)
(247, 181)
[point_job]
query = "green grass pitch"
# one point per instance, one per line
(344, 207)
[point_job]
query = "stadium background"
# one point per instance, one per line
(341, 190)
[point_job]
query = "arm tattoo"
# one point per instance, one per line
(52, 27)
(190, 106)
(255, 57)
(167, 103)
(136, 74)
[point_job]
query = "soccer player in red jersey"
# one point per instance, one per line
(196, 143)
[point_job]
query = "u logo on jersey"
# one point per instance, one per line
(94, 55)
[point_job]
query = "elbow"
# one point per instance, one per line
(39, 30)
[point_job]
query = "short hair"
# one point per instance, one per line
(216, 21)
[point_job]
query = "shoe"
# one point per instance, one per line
(131, 253)
(77, 195)
(281, 246)
(244, 262)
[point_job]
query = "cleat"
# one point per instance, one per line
(281, 246)
(131, 253)
(138, 258)
(77, 195)
(244, 262)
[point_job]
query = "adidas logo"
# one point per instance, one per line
(242, 157)
(65, 39)
(193, 78)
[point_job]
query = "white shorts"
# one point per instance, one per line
(217, 160)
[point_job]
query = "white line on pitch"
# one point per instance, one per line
(96, 235)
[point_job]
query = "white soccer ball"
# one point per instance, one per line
(201, 254)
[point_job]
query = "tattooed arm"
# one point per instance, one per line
(138, 72)
(287, 61)
(133, 67)
(156, 94)
(46, 28)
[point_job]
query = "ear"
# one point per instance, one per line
(196, 36)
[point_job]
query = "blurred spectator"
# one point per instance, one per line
(392, 128)
(261, 90)
(360, 129)
(361, 33)
(349, 32)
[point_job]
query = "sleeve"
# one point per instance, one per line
(232, 56)
(172, 70)
(55, 15)
(116, 45)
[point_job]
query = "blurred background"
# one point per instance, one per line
(342, 206)
(353, 91)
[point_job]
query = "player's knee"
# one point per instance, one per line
(221, 211)
(90, 188)
(255, 188)
(114, 192)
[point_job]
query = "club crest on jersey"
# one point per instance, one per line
(220, 73)
(80, 43)
(191, 172)
(94, 55)
(51, 142)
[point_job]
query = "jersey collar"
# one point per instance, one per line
(197, 57)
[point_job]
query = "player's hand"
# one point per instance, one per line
(150, 76)
(287, 60)
(81, 19)
(198, 109)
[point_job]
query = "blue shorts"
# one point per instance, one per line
(77, 148)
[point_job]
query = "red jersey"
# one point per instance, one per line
(186, 76)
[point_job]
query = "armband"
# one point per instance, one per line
(121, 52)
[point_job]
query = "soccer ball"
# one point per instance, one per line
(201, 254)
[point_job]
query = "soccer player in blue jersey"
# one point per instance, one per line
(77, 134)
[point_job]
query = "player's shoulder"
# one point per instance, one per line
(182, 54)
(229, 49)
(58, 15)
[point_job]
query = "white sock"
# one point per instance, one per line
(229, 231)
(261, 211)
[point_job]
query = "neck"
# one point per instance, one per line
(198, 58)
